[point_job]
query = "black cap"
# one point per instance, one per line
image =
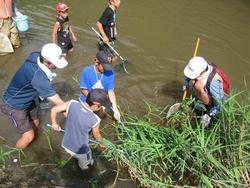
(102, 56)
(98, 95)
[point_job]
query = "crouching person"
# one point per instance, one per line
(210, 86)
(81, 119)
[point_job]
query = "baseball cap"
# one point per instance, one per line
(53, 53)
(98, 95)
(102, 56)
(195, 67)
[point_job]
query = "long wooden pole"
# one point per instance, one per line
(195, 52)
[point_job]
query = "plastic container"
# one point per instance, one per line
(22, 23)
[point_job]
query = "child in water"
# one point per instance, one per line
(62, 29)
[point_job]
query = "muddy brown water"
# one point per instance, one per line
(157, 37)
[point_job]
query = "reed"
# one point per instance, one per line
(46, 132)
(180, 152)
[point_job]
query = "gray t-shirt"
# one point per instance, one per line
(80, 121)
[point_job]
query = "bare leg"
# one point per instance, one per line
(14, 36)
(25, 139)
(36, 126)
(28, 136)
(36, 123)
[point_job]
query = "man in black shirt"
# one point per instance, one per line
(107, 23)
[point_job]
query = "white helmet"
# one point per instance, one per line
(53, 53)
(195, 67)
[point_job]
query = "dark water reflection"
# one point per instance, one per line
(156, 36)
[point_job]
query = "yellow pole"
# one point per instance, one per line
(195, 52)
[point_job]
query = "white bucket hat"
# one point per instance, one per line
(53, 53)
(195, 67)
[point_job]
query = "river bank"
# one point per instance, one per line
(156, 151)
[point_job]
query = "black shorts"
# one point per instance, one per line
(65, 46)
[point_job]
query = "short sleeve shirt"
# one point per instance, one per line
(80, 121)
(90, 80)
(108, 22)
(28, 83)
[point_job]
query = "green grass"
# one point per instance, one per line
(180, 151)
(9, 153)
(46, 133)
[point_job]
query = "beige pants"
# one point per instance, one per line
(8, 27)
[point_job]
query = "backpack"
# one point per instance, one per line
(226, 82)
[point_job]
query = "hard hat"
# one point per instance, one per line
(195, 67)
(61, 7)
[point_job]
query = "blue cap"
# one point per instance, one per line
(102, 56)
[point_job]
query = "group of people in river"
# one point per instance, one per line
(32, 83)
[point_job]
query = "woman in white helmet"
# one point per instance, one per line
(207, 90)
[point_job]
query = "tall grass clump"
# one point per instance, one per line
(180, 152)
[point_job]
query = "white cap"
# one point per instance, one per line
(53, 53)
(195, 67)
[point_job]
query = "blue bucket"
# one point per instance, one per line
(22, 23)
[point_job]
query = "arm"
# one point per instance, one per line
(101, 30)
(53, 114)
(201, 94)
(185, 83)
(112, 98)
(54, 32)
(72, 34)
(56, 100)
(97, 135)
(85, 92)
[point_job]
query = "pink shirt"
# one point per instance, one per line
(6, 10)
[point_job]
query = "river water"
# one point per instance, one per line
(157, 37)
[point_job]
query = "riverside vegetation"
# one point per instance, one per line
(180, 152)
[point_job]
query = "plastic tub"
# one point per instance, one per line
(22, 23)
